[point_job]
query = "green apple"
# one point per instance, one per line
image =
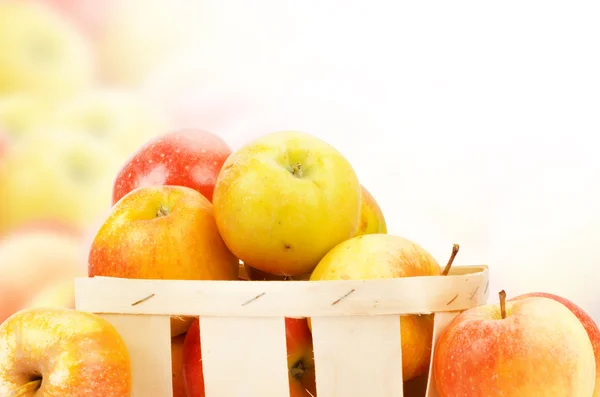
(58, 175)
(41, 52)
(284, 200)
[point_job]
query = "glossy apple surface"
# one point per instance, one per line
(536, 346)
(62, 352)
(588, 323)
(187, 157)
(300, 360)
(376, 256)
(371, 215)
(284, 200)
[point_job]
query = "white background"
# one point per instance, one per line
(470, 122)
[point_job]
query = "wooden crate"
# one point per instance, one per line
(356, 331)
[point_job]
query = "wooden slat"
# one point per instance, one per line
(148, 342)
(284, 298)
(358, 356)
(440, 322)
(244, 357)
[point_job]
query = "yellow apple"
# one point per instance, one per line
(371, 216)
(376, 256)
(117, 117)
(62, 352)
(56, 175)
(31, 262)
(56, 294)
(41, 52)
(284, 200)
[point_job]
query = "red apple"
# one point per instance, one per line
(300, 360)
(187, 157)
(525, 347)
(588, 323)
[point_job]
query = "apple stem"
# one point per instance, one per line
(27, 388)
(297, 170)
(503, 304)
(162, 211)
(455, 249)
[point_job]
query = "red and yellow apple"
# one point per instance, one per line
(300, 360)
(376, 256)
(525, 347)
(284, 200)
(162, 232)
(588, 323)
(187, 157)
(56, 176)
(41, 52)
(62, 352)
(38, 268)
(371, 216)
(177, 365)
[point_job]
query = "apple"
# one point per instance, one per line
(371, 216)
(376, 256)
(162, 232)
(118, 117)
(185, 157)
(525, 347)
(89, 16)
(24, 113)
(62, 352)
(177, 365)
(300, 360)
(258, 275)
(41, 52)
(58, 176)
(588, 323)
(284, 200)
(38, 267)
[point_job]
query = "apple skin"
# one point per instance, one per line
(35, 262)
(76, 353)
(376, 256)
(300, 360)
(183, 240)
(41, 52)
(258, 275)
(540, 346)
(284, 200)
(588, 323)
(371, 216)
(177, 365)
(186, 157)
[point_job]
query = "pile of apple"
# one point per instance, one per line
(285, 206)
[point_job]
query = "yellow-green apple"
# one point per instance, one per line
(116, 116)
(177, 365)
(162, 232)
(371, 216)
(41, 52)
(284, 200)
(376, 256)
(56, 175)
(24, 113)
(186, 157)
(527, 347)
(588, 323)
(35, 261)
(300, 360)
(55, 294)
(62, 352)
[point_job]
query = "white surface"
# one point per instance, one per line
(470, 122)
